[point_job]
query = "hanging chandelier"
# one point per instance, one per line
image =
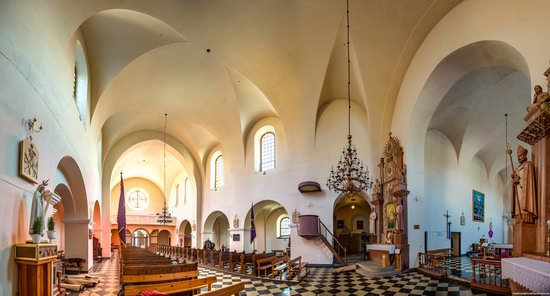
(164, 217)
(350, 177)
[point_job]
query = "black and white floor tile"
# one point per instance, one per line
(320, 281)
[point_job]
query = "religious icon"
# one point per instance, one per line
(391, 215)
(340, 224)
(462, 219)
(28, 161)
(235, 221)
(360, 224)
(478, 206)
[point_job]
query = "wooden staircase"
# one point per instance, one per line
(335, 249)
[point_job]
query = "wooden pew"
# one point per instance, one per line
(234, 259)
(278, 266)
(171, 287)
(157, 269)
(263, 265)
(234, 289)
(163, 277)
(295, 267)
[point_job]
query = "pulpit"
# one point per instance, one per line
(34, 263)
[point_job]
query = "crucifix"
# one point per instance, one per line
(447, 216)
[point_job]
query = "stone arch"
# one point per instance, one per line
(76, 220)
(188, 161)
(185, 234)
(216, 228)
(266, 214)
(164, 238)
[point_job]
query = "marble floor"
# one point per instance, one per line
(320, 281)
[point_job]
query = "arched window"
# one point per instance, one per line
(284, 227)
(265, 149)
(80, 82)
(138, 199)
(218, 172)
(140, 238)
(186, 191)
(177, 196)
(267, 152)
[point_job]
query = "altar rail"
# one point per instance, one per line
(487, 276)
(433, 265)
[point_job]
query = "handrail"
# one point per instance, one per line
(340, 246)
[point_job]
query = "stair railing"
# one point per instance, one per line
(338, 247)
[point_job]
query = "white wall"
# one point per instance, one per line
(449, 187)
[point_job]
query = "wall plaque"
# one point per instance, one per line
(28, 161)
(236, 237)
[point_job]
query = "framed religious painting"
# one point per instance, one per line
(360, 224)
(340, 224)
(478, 206)
(391, 215)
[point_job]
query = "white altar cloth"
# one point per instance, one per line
(532, 274)
(382, 247)
(502, 246)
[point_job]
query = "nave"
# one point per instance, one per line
(320, 281)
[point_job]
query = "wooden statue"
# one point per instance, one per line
(524, 190)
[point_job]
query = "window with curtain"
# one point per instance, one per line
(267, 152)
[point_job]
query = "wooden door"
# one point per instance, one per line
(455, 243)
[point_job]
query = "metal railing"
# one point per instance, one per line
(336, 245)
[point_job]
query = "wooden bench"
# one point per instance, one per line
(278, 266)
(295, 267)
(264, 265)
(171, 287)
(157, 269)
(234, 289)
(163, 277)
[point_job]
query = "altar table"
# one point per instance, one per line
(381, 253)
(531, 274)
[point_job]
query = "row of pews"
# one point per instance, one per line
(256, 264)
(142, 271)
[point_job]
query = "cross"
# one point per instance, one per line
(447, 216)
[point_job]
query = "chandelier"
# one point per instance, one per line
(164, 217)
(350, 177)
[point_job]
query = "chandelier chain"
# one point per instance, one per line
(350, 176)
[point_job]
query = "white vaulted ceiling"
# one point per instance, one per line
(267, 58)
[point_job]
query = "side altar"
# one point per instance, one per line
(389, 197)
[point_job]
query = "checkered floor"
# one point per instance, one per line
(108, 273)
(460, 267)
(320, 281)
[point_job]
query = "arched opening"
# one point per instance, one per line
(164, 238)
(216, 229)
(96, 237)
(154, 237)
(269, 217)
(58, 216)
(351, 224)
(455, 142)
(140, 238)
(76, 217)
(184, 234)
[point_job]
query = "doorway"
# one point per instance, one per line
(350, 224)
(455, 244)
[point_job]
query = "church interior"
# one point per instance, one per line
(304, 147)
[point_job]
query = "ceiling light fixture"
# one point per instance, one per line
(349, 178)
(165, 217)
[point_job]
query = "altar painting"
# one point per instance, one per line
(391, 215)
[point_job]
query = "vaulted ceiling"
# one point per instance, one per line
(217, 67)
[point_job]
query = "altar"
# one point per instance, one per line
(531, 274)
(382, 253)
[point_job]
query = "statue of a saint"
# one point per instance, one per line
(524, 190)
(399, 216)
(235, 222)
(372, 222)
(37, 209)
(376, 187)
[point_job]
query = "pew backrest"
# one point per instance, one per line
(171, 287)
(150, 278)
(234, 289)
